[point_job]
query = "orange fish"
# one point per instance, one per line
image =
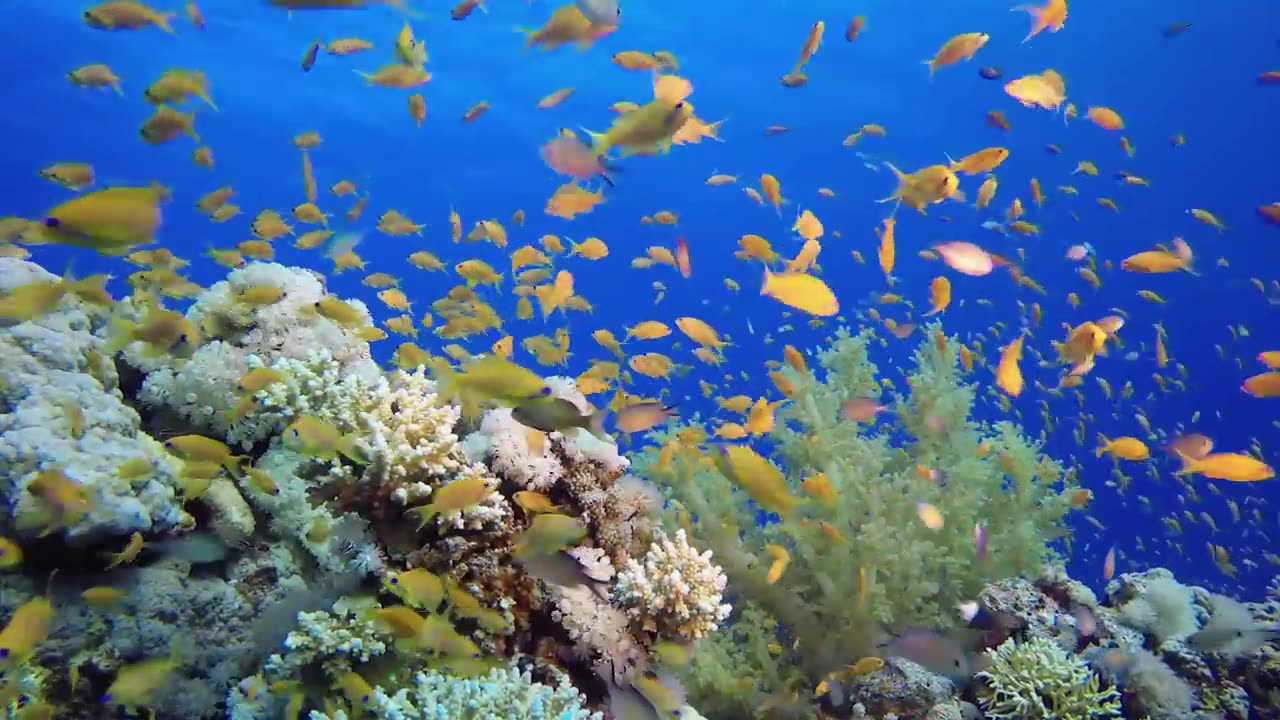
(1051, 17)
(960, 47)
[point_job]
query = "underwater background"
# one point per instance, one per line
(1204, 83)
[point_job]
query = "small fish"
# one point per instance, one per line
(309, 56)
(558, 415)
(641, 417)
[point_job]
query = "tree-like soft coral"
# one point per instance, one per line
(860, 558)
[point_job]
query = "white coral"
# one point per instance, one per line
(413, 433)
(525, 456)
(339, 640)
(510, 454)
(320, 386)
(51, 379)
(600, 631)
(326, 368)
(675, 588)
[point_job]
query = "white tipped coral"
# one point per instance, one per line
(337, 640)
(328, 370)
(674, 589)
(412, 433)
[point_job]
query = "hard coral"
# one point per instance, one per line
(673, 590)
(60, 410)
(1038, 680)
(503, 694)
(336, 641)
(326, 367)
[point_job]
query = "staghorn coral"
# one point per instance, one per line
(673, 590)
(60, 409)
(1038, 680)
(833, 596)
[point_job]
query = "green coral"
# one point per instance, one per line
(1039, 680)
(865, 561)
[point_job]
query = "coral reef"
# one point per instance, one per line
(327, 371)
(61, 411)
(505, 692)
(311, 586)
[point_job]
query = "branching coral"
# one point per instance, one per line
(1038, 680)
(336, 641)
(503, 694)
(673, 590)
(859, 556)
(60, 410)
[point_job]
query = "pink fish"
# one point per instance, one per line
(965, 258)
(980, 540)
(1077, 252)
(860, 409)
(1193, 445)
(1109, 564)
(1182, 249)
(570, 156)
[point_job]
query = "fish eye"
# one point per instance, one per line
(679, 105)
(545, 391)
(52, 222)
(4, 653)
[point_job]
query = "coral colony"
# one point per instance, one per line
(342, 542)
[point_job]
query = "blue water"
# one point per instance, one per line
(1201, 84)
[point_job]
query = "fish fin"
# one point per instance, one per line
(595, 425)
(350, 447)
(162, 21)
(424, 513)
(1189, 464)
(119, 336)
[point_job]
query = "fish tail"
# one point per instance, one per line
(766, 281)
(235, 465)
(162, 21)
(1102, 445)
(349, 446)
(933, 66)
(1189, 464)
(424, 513)
(205, 97)
(595, 425)
(119, 336)
(366, 76)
